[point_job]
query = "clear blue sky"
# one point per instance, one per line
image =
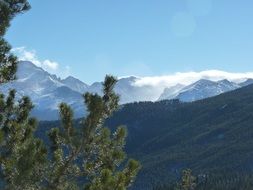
(138, 37)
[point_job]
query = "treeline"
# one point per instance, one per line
(221, 181)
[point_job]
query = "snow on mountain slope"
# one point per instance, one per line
(48, 91)
(45, 90)
(200, 90)
(75, 84)
(32, 81)
(47, 105)
(204, 89)
(246, 83)
(129, 92)
(172, 92)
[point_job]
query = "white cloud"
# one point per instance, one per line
(135, 69)
(190, 77)
(30, 55)
(51, 66)
(66, 71)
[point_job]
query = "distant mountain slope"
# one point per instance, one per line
(210, 135)
(75, 84)
(129, 92)
(204, 89)
(200, 90)
(246, 83)
(171, 93)
(47, 90)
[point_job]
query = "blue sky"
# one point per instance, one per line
(91, 38)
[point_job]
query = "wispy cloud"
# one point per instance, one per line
(190, 77)
(135, 69)
(51, 66)
(31, 55)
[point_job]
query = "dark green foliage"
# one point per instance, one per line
(220, 181)
(90, 156)
(22, 156)
(187, 182)
(213, 137)
(8, 10)
(227, 181)
(8, 62)
(208, 136)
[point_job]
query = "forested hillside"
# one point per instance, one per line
(211, 136)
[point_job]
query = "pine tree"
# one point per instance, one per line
(8, 62)
(187, 181)
(91, 156)
(22, 156)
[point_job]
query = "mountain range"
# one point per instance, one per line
(212, 137)
(201, 89)
(47, 90)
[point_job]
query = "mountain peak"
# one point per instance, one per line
(247, 82)
(72, 79)
(224, 81)
(128, 79)
(204, 81)
(204, 89)
(47, 90)
(75, 84)
(27, 65)
(171, 92)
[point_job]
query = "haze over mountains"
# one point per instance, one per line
(47, 90)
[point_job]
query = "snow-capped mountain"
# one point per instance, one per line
(47, 91)
(204, 89)
(201, 89)
(128, 91)
(246, 83)
(171, 92)
(75, 84)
